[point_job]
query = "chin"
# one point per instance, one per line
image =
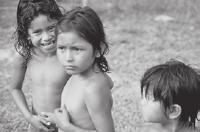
(49, 50)
(146, 119)
(71, 72)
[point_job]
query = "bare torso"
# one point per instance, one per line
(73, 97)
(47, 79)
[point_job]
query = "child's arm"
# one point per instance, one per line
(18, 74)
(60, 117)
(99, 104)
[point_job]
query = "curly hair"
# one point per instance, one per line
(88, 25)
(27, 10)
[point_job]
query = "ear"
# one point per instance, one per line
(174, 111)
(98, 53)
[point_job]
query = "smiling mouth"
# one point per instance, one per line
(46, 44)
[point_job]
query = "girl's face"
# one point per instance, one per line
(74, 53)
(153, 111)
(42, 33)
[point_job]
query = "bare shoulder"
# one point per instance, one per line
(190, 130)
(18, 61)
(100, 82)
(18, 71)
(98, 91)
(152, 128)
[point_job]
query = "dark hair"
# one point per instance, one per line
(27, 10)
(85, 22)
(174, 83)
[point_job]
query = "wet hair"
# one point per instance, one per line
(86, 23)
(27, 10)
(174, 83)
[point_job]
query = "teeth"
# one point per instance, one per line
(46, 44)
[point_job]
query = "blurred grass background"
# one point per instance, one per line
(141, 33)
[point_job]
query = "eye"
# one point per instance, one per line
(51, 28)
(76, 49)
(37, 32)
(61, 48)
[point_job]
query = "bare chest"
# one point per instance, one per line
(46, 72)
(73, 98)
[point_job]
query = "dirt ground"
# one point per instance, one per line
(139, 36)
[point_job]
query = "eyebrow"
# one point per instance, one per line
(65, 43)
(36, 30)
(72, 45)
(53, 24)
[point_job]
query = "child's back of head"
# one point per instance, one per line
(174, 84)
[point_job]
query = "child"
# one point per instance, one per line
(86, 98)
(36, 24)
(171, 94)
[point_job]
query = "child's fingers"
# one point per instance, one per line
(47, 117)
(45, 114)
(45, 121)
(65, 108)
(58, 111)
(43, 127)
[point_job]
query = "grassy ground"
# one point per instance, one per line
(138, 38)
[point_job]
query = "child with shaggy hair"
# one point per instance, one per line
(170, 97)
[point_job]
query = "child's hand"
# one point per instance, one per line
(48, 118)
(60, 117)
(36, 122)
(47, 123)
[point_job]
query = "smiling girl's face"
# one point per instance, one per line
(42, 33)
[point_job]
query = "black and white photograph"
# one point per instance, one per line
(99, 66)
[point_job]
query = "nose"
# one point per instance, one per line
(46, 37)
(68, 56)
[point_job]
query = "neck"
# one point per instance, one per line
(42, 55)
(89, 72)
(175, 126)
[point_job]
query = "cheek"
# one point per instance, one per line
(156, 114)
(35, 39)
(90, 59)
(53, 34)
(150, 109)
(60, 56)
(87, 56)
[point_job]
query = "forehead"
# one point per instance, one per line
(42, 21)
(70, 37)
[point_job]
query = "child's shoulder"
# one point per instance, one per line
(101, 80)
(190, 130)
(19, 61)
(99, 84)
(98, 92)
(151, 128)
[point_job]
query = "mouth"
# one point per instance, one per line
(47, 44)
(69, 67)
